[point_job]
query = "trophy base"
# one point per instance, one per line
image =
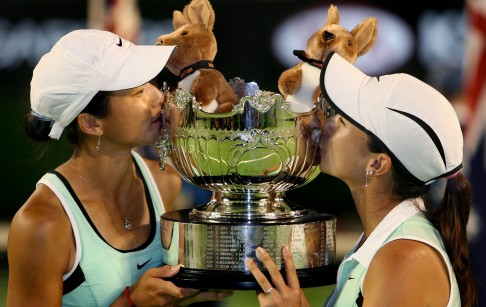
(213, 251)
(216, 279)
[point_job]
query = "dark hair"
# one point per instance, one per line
(449, 217)
(38, 129)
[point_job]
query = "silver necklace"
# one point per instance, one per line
(126, 222)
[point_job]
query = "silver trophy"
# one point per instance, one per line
(248, 158)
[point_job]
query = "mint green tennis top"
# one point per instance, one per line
(101, 272)
(405, 221)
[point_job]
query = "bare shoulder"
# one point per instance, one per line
(40, 247)
(407, 271)
(168, 176)
(168, 182)
(41, 219)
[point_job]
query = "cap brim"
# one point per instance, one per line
(340, 84)
(142, 65)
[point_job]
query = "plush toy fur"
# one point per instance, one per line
(300, 84)
(193, 59)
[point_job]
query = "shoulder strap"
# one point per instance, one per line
(149, 179)
(55, 184)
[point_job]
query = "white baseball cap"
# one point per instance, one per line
(416, 123)
(84, 62)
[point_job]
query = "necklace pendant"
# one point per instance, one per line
(128, 225)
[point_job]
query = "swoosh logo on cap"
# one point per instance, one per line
(119, 44)
(428, 129)
(139, 266)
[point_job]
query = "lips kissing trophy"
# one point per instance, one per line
(248, 146)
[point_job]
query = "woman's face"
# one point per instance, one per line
(344, 150)
(135, 117)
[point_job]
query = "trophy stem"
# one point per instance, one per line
(248, 205)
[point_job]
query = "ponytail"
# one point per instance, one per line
(37, 129)
(450, 217)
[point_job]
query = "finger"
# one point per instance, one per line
(212, 295)
(205, 296)
(255, 271)
(165, 271)
(271, 267)
(290, 271)
(168, 288)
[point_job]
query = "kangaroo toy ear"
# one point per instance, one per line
(332, 16)
(200, 11)
(365, 34)
(178, 20)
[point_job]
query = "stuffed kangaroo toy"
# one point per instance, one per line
(300, 84)
(193, 59)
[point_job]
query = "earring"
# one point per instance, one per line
(369, 174)
(98, 144)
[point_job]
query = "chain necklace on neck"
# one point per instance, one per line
(127, 224)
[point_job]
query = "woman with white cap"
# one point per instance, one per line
(397, 143)
(89, 235)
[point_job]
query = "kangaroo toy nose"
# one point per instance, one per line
(328, 35)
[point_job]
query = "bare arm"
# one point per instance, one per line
(406, 273)
(40, 251)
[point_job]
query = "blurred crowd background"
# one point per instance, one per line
(439, 41)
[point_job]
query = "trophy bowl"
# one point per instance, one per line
(248, 158)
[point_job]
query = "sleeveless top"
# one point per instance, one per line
(101, 272)
(405, 221)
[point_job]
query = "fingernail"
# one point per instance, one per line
(248, 261)
(175, 267)
(285, 248)
(259, 253)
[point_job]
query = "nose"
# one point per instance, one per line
(157, 97)
(160, 99)
(328, 35)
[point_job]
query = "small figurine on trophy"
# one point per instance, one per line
(193, 59)
(300, 84)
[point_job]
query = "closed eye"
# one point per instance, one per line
(140, 90)
(341, 119)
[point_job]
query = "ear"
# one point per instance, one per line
(200, 11)
(365, 34)
(332, 15)
(178, 20)
(89, 124)
(381, 164)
